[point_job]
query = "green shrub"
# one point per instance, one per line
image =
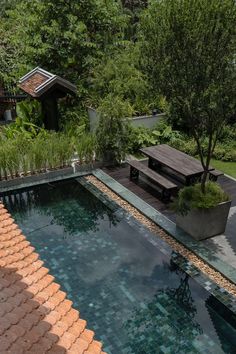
(140, 137)
(120, 75)
(112, 132)
(21, 153)
(191, 197)
(85, 147)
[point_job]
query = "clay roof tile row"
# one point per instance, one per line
(36, 317)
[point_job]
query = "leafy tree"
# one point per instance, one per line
(134, 5)
(112, 132)
(120, 75)
(133, 8)
(66, 37)
(188, 49)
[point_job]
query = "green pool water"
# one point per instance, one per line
(124, 281)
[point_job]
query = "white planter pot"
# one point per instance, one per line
(205, 223)
(7, 115)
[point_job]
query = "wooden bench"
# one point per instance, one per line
(166, 186)
(213, 175)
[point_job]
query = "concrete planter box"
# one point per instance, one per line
(141, 121)
(205, 223)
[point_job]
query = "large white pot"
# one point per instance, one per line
(205, 223)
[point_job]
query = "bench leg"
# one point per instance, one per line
(134, 173)
(165, 195)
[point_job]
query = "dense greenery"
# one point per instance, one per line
(128, 58)
(192, 197)
(112, 132)
(26, 149)
(163, 133)
(66, 37)
(188, 52)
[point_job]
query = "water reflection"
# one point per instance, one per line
(84, 211)
(167, 321)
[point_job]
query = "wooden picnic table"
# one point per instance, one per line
(186, 166)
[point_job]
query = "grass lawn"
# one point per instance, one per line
(227, 167)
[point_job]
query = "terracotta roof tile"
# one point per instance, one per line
(35, 315)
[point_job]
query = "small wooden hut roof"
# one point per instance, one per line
(39, 82)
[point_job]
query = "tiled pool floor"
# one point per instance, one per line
(125, 282)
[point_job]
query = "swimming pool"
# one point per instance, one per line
(120, 277)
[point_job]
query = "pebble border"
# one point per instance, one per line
(217, 277)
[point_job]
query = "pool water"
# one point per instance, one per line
(131, 293)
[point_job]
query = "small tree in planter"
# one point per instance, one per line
(112, 132)
(189, 54)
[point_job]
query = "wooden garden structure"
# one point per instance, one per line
(47, 88)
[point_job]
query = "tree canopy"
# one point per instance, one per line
(188, 49)
(66, 37)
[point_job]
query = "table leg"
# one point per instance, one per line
(193, 180)
(154, 165)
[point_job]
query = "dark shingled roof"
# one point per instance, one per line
(38, 81)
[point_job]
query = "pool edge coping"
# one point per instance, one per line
(167, 225)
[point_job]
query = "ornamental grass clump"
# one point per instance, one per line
(192, 197)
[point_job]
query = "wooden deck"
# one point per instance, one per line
(150, 194)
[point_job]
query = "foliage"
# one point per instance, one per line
(140, 137)
(72, 116)
(133, 8)
(85, 147)
(188, 52)
(120, 76)
(23, 152)
(163, 133)
(66, 37)
(20, 127)
(112, 132)
(30, 111)
(8, 53)
(192, 197)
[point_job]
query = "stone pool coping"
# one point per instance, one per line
(42, 178)
(167, 225)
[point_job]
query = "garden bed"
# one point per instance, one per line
(48, 176)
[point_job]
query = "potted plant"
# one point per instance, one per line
(189, 52)
(202, 215)
(112, 131)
